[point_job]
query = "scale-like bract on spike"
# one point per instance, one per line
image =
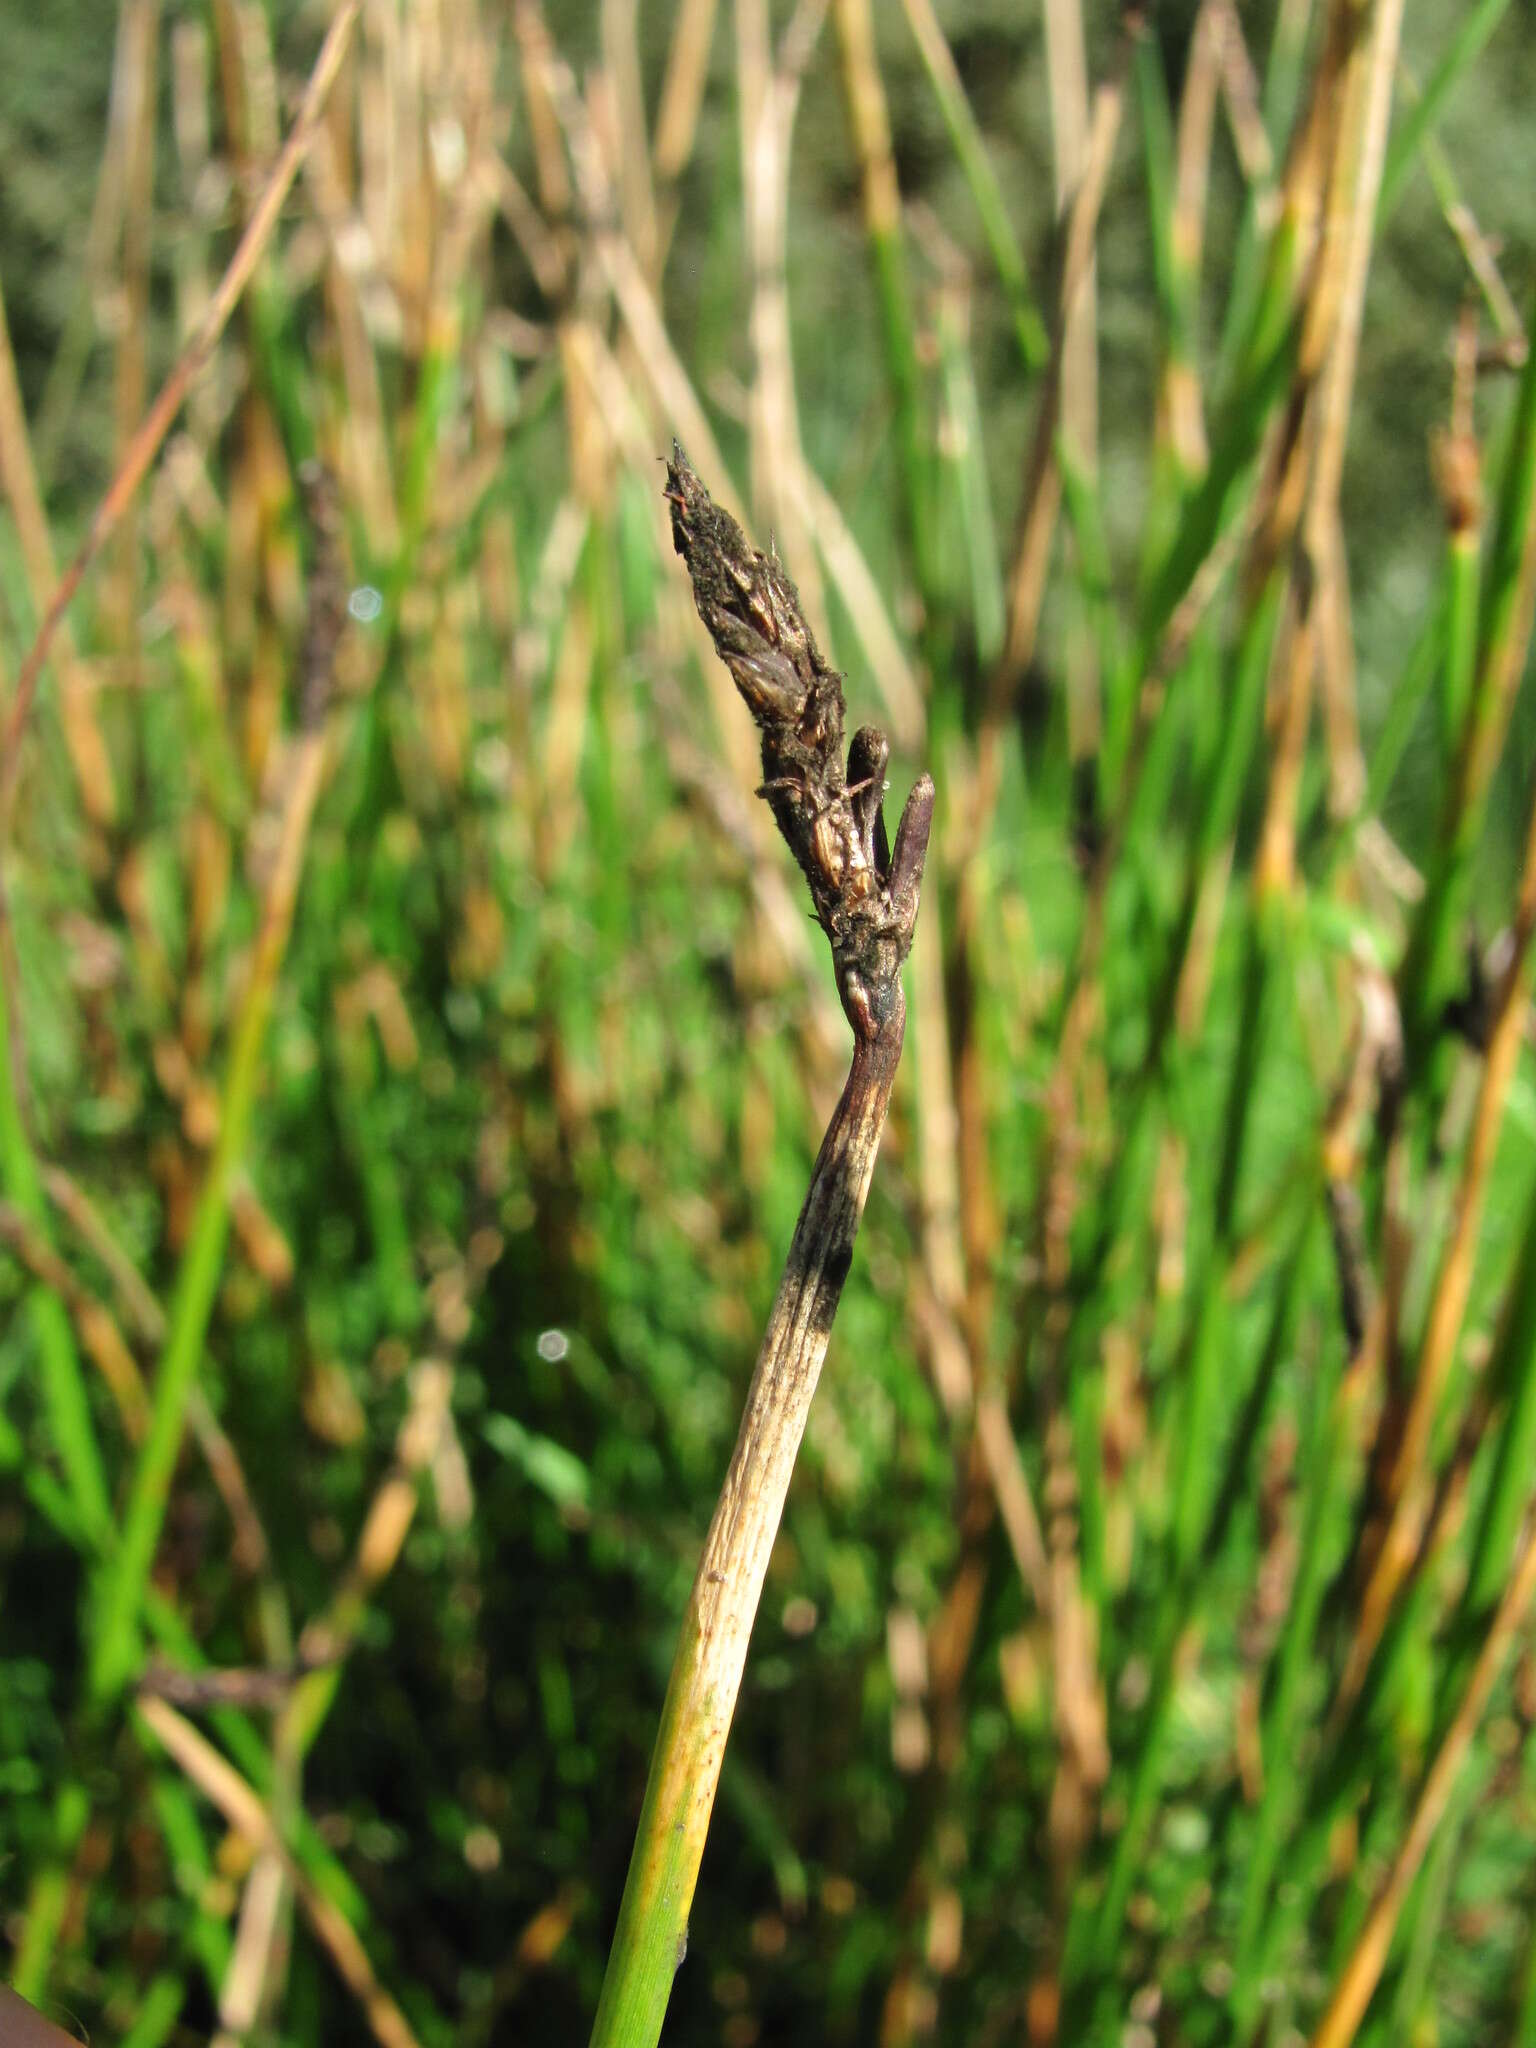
(832, 819)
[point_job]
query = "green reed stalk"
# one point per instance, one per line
(1477, 25)
(986, 193)
(1512, 1378)
(116, 1642)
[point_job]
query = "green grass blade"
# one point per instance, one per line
(1161, 172)
(158, 2012)
(1458, 670)
(49, 1894)
(115, 1643)
(966, 466)
(986, 193)
(1477, 25)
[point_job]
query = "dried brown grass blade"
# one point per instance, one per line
(222, 1785)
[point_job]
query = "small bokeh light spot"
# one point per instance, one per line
(482, 1851)
(800, 1616)
(365, 604)
(553, 1345)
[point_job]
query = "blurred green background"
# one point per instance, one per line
(551, 1044)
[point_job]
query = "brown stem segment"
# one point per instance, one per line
(866, 898)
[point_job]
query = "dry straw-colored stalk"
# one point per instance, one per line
(1041, 498)
(683, 411)
(1337, 309)
(18, 476)
(1080, 156)
(329, 1637)
(769, 94)
(1409, 1485)
(677, 117)
(139, 50)
(218, 1781)
(95, 1326)
(1362, 1972)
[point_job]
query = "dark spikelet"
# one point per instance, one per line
(831, 818)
